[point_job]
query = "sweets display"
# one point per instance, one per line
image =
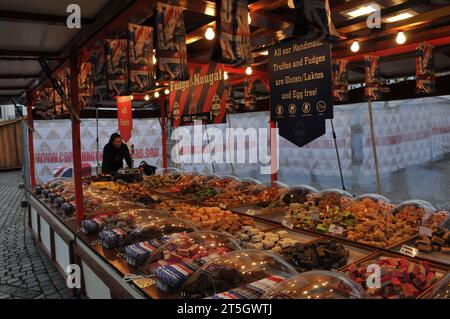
(317, 284)
(440, 241)
(210, 218)
(233, 270)
(277, 242)
(322, 254)
(401, 278)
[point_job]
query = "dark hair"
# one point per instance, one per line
(113, 137)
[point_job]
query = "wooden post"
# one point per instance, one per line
(30, 142)
(76, 139)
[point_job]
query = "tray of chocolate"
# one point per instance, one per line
(401, 277)
(433, 244)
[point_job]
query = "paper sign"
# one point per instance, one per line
(337, 230)
(409, 251)
(425, 231)
(286, 224)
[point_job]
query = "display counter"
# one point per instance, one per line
(275, 226)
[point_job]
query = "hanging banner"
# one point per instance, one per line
(372, 90)
(340, 80)
(62, 78)
(125, 116)
(99, 75)
(171, 44)
(249, 95)
(116, 67)
(200, 98)
(232, 44)
(229, 100)
(313, 21)
(425, 72)
(140, 58)
(300, 89)
(85, 85)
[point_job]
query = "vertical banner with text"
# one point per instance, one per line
(125, 117)
(425, 73)
(301, 89)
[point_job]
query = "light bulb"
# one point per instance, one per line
(355, 46)
(291, 4)
(147, 97)
(210, 34)
(249, 18)
(156, 94)
(131, 97)
(166, 91)
(154, 59)
(157, 83)
(225, 75)
(401, 38)
(248, 70)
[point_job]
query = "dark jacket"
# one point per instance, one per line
(113, 158)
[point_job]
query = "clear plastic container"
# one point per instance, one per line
(374, 197)
(441, 290)
(296, 194)
(156, 229)
(115, 207)
(235, 271)
(415, 211)
(316, 284)
(198, 245)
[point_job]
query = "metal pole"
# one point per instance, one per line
(30, 142)
(76, 139)
(374, 147)
(273, 152)
(337, 154)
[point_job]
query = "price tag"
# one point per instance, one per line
(315, 217)
(409, 251)
(223, 205)
(337, 230)
(287, 224)
(251, 212)
(425, 231)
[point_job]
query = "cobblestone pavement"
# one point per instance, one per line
(25, 271)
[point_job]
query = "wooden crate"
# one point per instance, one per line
(11, 144)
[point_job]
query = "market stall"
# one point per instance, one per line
(193, 233)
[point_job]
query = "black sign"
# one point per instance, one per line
(301, 89)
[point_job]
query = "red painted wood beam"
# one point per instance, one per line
(76, 140)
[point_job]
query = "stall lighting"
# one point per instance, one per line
(248, 70)
(157, 83)
(249, 18)
(362, 11)
(401, 38)
(401, 16)
(355, 46)
(166, 91)
(154, 59)
(147, 97)
(156, 94)
(291, 4)
(265, 52)
(210, 34)
(225, 75)
(131, 97)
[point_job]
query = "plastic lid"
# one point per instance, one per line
(296, 194)
(202, 245)
(415, 210)
(233, 270)
(316, 284)
(115, 207)
(168, 170)
(337, 191)
(375, 197)
(159, 228)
